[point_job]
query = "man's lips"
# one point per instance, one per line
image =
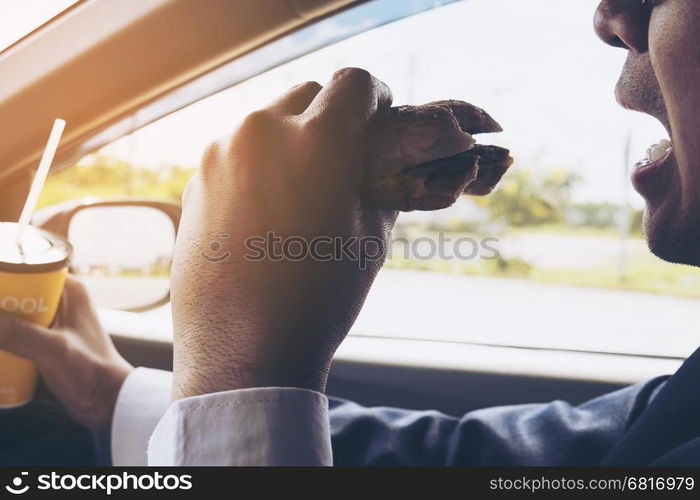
(653, 179)
(638, 89)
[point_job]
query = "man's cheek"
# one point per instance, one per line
(674, 45)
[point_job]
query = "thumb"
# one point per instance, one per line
(24, 339)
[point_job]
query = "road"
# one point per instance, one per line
(501, 311)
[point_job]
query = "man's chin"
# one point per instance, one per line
(672, 235)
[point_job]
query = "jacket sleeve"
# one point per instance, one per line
(555, 433)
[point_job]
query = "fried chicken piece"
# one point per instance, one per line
(430, 186)
(471, 119)
(424, 157)
(494, 162)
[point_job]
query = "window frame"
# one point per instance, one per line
(252, 64)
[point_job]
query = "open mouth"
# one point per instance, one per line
(658, 151)
(656, 154)
(651, 176)
(654, 175)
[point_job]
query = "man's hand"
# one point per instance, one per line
(76, 358)
(249, 309)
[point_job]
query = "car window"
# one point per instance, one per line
(554, 258)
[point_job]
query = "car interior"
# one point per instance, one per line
(426, 339)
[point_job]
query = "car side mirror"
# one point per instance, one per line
(122, 248)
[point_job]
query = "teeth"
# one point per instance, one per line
(658, 151)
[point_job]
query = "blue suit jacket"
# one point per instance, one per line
(651, 423)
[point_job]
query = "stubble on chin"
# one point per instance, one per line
(674, 235)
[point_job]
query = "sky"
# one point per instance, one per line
(535, 65)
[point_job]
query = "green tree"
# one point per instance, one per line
(108, 176)
(526, 197)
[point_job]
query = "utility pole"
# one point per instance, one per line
(624, 213)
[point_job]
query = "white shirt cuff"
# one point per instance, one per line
(142, 401)
(259, 426)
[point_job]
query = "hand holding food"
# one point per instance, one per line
(290, 170)
(319, 164)
(424, 157)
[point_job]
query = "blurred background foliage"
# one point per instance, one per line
(102, 175)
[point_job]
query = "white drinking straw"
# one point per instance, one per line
(40, 177)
